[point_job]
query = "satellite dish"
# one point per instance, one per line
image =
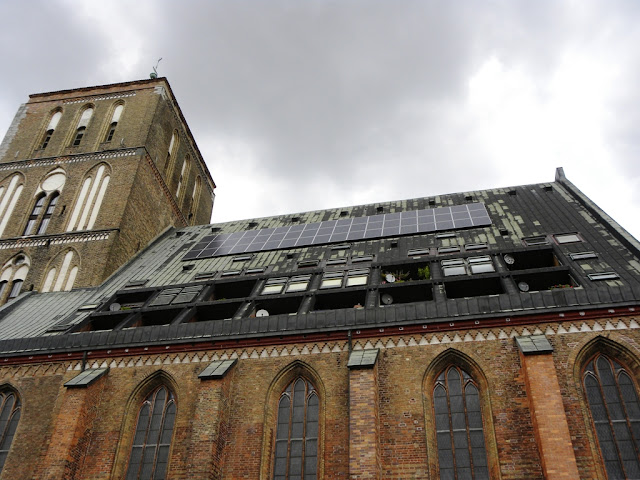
(114, 307)
(523, 286)
(390, 277)
(387, 299)
(262, 313)
(509, 260)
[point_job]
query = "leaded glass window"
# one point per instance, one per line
(615, 411)
(296, 453)
(150, 451)
(459, 432)
(9, 418)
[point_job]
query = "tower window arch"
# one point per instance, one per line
(62, 272)
(12, 277)
(195, 198)
(459, 426)
(87, 113)
(10, 190)
(184, 175)
(171, 155)
(152, 440)
(117, 112)
(35, 214)
(615, 411)
(53, 123)
(10, 408)
(296, 442)
(92, 193)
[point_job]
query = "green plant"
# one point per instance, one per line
(399, 276)
(560, 285)
(424, 273)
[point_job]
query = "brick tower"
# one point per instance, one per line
(88, 177)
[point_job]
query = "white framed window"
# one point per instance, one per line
(10, 190)
(567, 238)
(53, 123)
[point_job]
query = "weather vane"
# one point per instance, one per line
(154, 74)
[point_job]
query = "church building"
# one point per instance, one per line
(487, 334)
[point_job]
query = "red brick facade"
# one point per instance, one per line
(374, 423)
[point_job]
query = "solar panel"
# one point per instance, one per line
(344, 229)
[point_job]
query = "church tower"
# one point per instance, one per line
(90, 176)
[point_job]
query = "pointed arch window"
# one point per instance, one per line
(62, 273)
(12, 277)
(296, 452)
(35, 214)
(615, 410)
(184, 174)
(82, 125)
(92, 193)
(117, 112)
(10, 191)
(53, 123)
(46, 218)
(150, 452)
(459, 426)
(171, 154)
(9, 418)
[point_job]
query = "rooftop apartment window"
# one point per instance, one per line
(357, 278)
(448, 249)
(362, 258)
(416, 252)
(337, 261)
(331, 280)
(472, 265)
(242, 258)
(475, 246)
(567, 238)
(275, 286)
(352, 278)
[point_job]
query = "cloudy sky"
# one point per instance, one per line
(306, 104)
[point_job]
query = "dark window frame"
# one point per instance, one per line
(611, 418)
(142, 434)
(9, 426)
(459, 420)
(287, 433)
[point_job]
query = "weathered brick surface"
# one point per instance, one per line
(225, 428)
(549, 419)
(364, 443)
(140, 201)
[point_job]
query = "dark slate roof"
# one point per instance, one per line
(58, 321)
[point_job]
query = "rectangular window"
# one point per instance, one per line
(567, 238)
(357, 278)
(481, 264)
(362, 258)
(538, 240)
(331, 280)
(337, 261)
(298, 284)
(274, 286)
(582, 255)
(415, 252)
(453, 267)
(603, 276)
(475, 246)
(448, 249)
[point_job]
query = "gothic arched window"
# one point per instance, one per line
(296, 452)
(459, 429)
(9, 418)
(94, 187)
(10, 190)
(35, 214)
(12, 276)
(82, 125)
(114, 122)
(615, 410)
(154, 429)
(53, 123)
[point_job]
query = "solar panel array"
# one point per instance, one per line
(345, 229)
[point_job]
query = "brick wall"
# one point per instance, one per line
(225, 428)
